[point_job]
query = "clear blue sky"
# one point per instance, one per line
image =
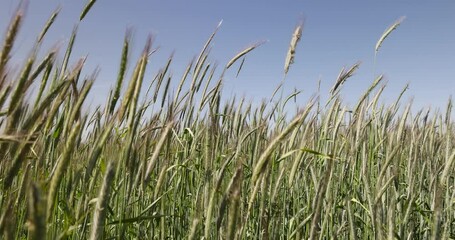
(336, 34)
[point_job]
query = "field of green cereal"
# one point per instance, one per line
(200, 167)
